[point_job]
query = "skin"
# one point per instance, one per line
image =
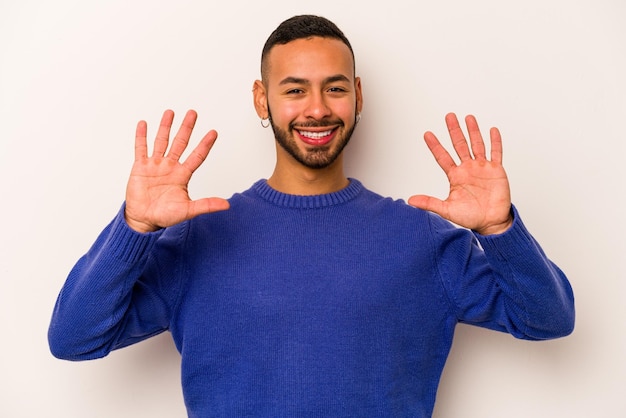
(311, 86)
(157, 194)
(480, 196)
(310, 82)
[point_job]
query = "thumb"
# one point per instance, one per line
(429, 203)
(208, 205)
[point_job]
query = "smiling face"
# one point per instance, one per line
(311, 95)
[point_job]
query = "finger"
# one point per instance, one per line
(476, 139)
(141, 147)
(207, 205)
(441, 155)
(496, 145)
(429, 203)
(199, 154)
(458, 139)
(181, 140)
(163, 134)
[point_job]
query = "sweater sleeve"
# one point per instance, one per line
(505, 282)
(113, 296)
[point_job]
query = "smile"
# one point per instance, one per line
(315, 135)
(316, 138)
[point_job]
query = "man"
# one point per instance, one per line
(309, 295)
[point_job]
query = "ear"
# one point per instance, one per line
(359, 94)
(259, 95)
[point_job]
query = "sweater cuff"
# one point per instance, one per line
(513, 242)
(125, 243)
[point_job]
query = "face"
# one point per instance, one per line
(311, 96)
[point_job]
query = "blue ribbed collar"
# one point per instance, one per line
(307, 202)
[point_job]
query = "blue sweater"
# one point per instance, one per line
(342, 304)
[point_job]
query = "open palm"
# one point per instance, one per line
(157, 194)
(479, 196)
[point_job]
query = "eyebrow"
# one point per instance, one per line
(297, 80)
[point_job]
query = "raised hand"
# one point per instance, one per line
(157, 193)
(480, 197)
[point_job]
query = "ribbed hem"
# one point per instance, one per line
(512, 243)
(307, 202)
(127, 244)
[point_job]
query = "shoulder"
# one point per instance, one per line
(396, 213)
(391, 206)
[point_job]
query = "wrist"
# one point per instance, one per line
(496, 229)
(138, 226)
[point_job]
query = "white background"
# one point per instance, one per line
(76, 76)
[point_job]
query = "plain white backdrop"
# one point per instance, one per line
(76, 76)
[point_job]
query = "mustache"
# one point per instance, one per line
(317, 124)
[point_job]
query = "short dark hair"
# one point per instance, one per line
(302, 27)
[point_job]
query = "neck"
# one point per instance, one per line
(293, 178)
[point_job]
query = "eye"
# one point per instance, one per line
(336, 90)
(294, 91)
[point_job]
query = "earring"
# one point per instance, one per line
(265, 122)
(358, 118)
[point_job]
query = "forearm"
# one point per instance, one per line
(94, 303)
(538, 297)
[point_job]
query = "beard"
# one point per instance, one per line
(318, 157)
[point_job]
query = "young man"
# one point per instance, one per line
(309, 295)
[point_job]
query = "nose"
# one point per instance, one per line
(317, 106)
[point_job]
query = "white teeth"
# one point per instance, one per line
(315, 135)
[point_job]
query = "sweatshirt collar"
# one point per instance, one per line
(307, 202)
